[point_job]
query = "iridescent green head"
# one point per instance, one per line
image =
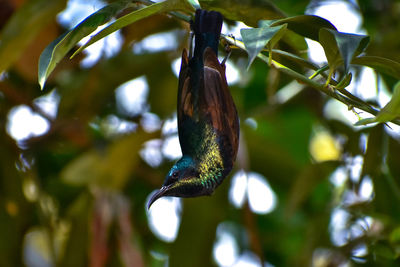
(181, 181)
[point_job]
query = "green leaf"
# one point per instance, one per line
(194, 3)
(295, 43)
(365, 121)
(106, 168)
(136, 15)
(305, 25)
(339, 45)
(380, 64)
(344, 82)
(16, 36)
(57, 49)
(392, 109)
(256, 39)
(281, 30)
(289, 38)
(350, 46)
(328, 42)
(250, 12)
(388, 112)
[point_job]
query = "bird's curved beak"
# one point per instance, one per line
(161, 192)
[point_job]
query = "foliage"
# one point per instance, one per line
(78, 191)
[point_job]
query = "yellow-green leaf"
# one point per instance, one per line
(379, 64)
(134, 16)
(110, 168)
(57, 49)
(388, 112)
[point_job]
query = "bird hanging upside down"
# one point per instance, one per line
(208, 124)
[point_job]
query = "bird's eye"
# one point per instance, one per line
(175, 175)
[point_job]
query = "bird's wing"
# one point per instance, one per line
(216, 103)
(188, 126)
(209, 103)
(185, 105)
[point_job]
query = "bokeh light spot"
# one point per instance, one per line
(23, 123)
(324, 147)
(262, 199)
(164, 217)
(131, 96)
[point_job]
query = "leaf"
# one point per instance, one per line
(111, 168)
(295, 43)
(305, 25)
(256, 39)
(389, 112)
(82, 170)
(290, 39)
(348, 45)
(380, 64)
(136, 15)
(277, 36)
(328, 42)
(16, 36)
(194, 3)
(365, 121)
(57, 49)
(250, 12)
(344, 82)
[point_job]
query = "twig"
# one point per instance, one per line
(343, 95)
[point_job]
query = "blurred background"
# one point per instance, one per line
(79, 160)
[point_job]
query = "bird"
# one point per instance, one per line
(208, 123)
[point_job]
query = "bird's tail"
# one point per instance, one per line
(207, 29)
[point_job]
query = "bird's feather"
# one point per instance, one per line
(208, 124)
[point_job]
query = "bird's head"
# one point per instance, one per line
(181, 181)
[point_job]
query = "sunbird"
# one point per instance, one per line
(208, 124)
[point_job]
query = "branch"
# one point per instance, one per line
(341, 95)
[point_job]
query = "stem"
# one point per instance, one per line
(319, 71)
